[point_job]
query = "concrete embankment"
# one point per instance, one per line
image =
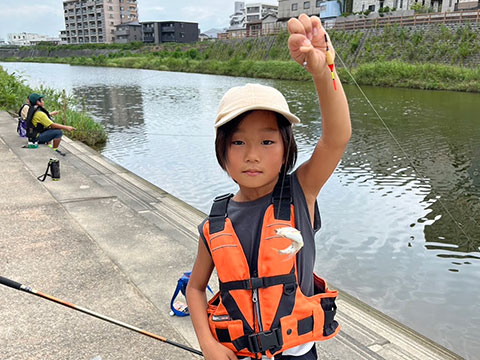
(107, 240)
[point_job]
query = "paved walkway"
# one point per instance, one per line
(107, 240)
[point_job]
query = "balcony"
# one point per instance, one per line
(471, 5)
(168, 29)
(123, 32)
(147, 30)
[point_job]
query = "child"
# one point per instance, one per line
(270, 303)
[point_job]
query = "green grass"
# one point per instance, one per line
(420, 76)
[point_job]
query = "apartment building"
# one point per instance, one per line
(435, 5)
(293, 8)
(252, 12)
(128, 32)
(156, 32)
(237, 19)
(94, 21)
(257, 11)
(26, 39)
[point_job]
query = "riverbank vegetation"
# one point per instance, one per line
(13, 93)
(437, 57)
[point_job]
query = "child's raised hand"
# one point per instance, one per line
(308, 45)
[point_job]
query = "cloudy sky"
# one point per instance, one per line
(45, 17)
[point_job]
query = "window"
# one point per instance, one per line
(318, 3)
(294, 7)
(306, 5)
(371, 8)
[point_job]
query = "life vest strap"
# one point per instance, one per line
(282, 198)
(218, 213)
(329, 309)
(256, 282)
(260, 342)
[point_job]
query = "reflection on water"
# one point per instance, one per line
(400, 214)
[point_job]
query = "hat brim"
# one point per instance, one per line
(288, 115)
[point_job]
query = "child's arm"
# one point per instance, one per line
(197, 306)
(307, 44)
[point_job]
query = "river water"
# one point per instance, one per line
(400, 215)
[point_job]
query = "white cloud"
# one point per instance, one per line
(44, 19)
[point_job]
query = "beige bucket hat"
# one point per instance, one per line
(241, 99)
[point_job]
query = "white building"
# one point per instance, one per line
(257, 11)
(245, 13)
(26, 39)
(323, 8)
(237, 19)
(436, 5)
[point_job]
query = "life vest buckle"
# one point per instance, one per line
(266, 340)
(256, 283)
(289, 289)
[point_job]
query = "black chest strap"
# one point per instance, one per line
(281, 199)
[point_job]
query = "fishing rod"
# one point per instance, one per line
(17, 286)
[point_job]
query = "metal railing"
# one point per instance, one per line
(472, 16)
(246, 33)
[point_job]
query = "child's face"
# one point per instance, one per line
(255, 154)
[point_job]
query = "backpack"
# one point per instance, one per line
(22, 123)
(178, 308)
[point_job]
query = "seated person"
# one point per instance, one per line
(44, 129)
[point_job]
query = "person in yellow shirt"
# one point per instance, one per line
(42, 128)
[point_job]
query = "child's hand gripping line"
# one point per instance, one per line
(310, 45)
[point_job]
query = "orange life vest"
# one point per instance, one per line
(263, 310)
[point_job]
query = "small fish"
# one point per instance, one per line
(295, 236)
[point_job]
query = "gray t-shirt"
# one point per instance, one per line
(247, 219)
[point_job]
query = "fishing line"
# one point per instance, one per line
(149, 134)
(17, 286)
(457, 223)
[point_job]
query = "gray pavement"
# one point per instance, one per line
(107, 240)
